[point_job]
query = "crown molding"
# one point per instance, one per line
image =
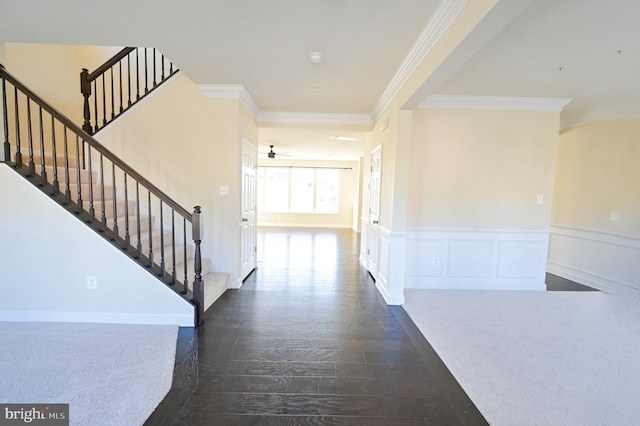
(231, 91)
(238, 91)
(590, 117)
(506, 103)
(315, 118)
(445, 13)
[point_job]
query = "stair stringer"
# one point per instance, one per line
(48, 254)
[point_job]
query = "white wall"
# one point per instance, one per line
(46, 255)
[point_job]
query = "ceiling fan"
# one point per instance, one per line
(272, 154)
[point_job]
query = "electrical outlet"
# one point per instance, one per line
(540, 199)
(92, 282)
(224, 190)
(436, 260)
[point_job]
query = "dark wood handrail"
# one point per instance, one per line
(97, 145)
(111, 62)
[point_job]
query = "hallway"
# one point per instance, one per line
(308, 340)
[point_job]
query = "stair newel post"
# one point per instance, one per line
(5, 119)
(198, 285)
(85, 89)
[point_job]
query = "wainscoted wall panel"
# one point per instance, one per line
(599, 259)
(489, 259)
(470, 258)
(520, 259)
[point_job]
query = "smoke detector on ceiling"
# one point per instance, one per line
(315, 57)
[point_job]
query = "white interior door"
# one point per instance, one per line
(374, 212)
(249, 231)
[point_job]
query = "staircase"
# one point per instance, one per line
(110, 197)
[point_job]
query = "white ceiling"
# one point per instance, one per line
(539, 48)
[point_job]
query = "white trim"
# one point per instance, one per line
(598, 236)
(443, 16)
(238, 91)
(231, 91)
(600, 259)
(314, 118)
(503, 103)
(480, 259)
(96, 317)
(590, 117)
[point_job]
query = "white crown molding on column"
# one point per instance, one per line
(506, 103)
(445, 13)
(231, 91)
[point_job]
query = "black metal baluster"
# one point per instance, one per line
(17, 108)
(67, 191)
(56, 185)
(129, 77)
(78, 179)
(150, 233)
(102, 206)
(32, 166)
(113, 105)
(92, 211)
(115, 205)
(185, 284)
(95, 105)
(162, 78)
(173, 247)
(162, 264)
(146, 72)
(170, 67)
(127, 237)
(120, 68)
(43, 171)
(104, 103)
(5, 121)
(137, 74)
(154, 68)
(138, 220)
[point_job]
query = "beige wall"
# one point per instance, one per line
(597, 175)
(51, 71)
(479, 168)
(189, 146)
(348, 201)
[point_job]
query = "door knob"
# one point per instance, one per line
(244, 219)
(375, 222)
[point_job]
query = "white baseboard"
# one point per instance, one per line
(96, 317)
(476, 259)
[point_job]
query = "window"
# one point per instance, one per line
(298, 190)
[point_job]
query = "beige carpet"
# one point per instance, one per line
(109, 374)
(538, 358)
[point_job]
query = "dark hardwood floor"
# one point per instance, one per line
(308, 340)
